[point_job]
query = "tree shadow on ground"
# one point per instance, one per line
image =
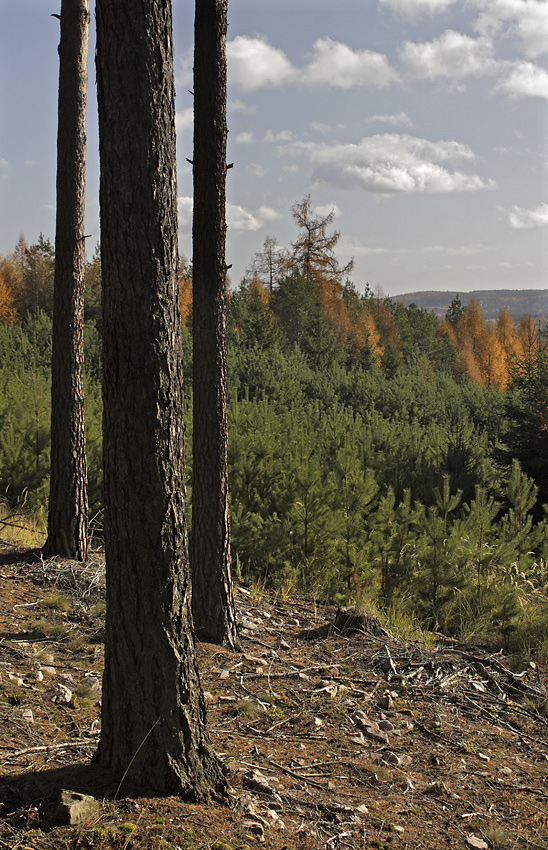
(35, 795)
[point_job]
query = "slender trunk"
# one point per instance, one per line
(68, 504)
(212, 596)
(153, 712)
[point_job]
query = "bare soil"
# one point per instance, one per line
(334, 738)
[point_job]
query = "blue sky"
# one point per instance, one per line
(422, 123)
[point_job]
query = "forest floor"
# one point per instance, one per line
(334, 739)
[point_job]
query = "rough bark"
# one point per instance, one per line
(212, 596)
(153, 712)
(68, 505)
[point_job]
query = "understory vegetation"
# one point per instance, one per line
(377, 456)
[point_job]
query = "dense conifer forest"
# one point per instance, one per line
(378, 455)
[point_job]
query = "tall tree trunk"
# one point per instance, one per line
(68, 504)
(212, 596)
(153, 712)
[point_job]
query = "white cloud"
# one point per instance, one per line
(456, 250)
(391, 163)
(320, 127)
(185, 205)
(4, 163)
(523, 79)
(241, 107)
(185, 73)
(525, 19)
(241, 220)
(416, 8)
(184, 120)
(336, 64)
(245, 138)
(280, 136)
(400, 119)
(254, 63)
(30, 163)
(268, 214)
(451, 54)
(255, 169)
(527, 219)
(326, 209)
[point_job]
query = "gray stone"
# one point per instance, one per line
(74, 808)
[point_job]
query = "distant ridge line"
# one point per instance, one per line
(518, 302)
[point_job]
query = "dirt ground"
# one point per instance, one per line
(334, 737)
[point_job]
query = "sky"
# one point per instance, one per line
(423, 124)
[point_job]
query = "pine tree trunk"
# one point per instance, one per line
(212, 597)
(68, 505)
(153, 712)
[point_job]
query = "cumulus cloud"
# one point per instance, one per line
(416, 8)
(254, 63)
(184, 120)
(268, 214)
(399, 119)
(245, 138)
(185, 205)
(391, 163)
(326, 209)
(523, 79)
(451, 54)
(526, 20)
(240, 220)
(336, 64)
(320, 127)
(528, 219)
(185, 68)
(280, 136)
(241, 107)
(255, 169)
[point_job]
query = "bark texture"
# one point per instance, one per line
(212, 596)
(68, 505)
(153, 713)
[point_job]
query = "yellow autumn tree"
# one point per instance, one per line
(491, 358)
(185, 291)
(8, 310)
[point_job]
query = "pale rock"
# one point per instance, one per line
(74, 808)
(255, 828)
(477, 843)
(28, 715)
(257, 781)
(63, 695)
(93, 682)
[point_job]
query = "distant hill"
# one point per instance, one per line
(519, 302)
